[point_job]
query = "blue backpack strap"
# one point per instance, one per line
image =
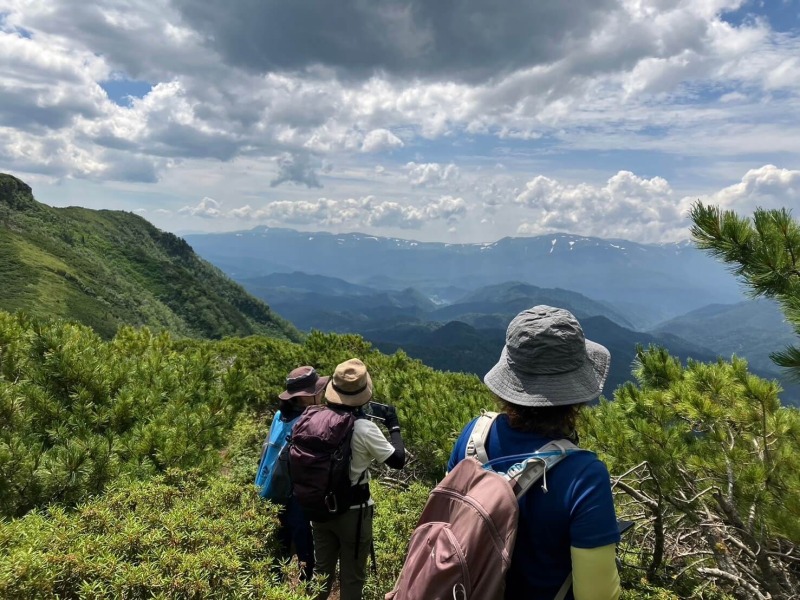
(476, 446)
(523, 475)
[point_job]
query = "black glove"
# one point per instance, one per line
(390, 418)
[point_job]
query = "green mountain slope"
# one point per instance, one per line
(108, 268)
(331, 304)
(754, 329)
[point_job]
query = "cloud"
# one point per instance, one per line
(446, 207)
(279, 91)
(296, 168)
(600, 73)
(469, 41)
(355, 212)
(207, 208)
(243, 212)
(628, 206)
(766, 187)
(393, 214)
(431, 174)
(380, 140)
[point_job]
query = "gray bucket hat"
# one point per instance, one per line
(547, 361)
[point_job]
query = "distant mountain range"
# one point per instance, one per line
(467, 334)
(110, 268)
(457, 346)
(332, 304)
(647, 283)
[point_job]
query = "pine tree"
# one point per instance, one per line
(764, 252)
(709, 458)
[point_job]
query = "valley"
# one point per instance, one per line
(440, 303)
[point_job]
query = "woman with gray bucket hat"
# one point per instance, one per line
(547, 371)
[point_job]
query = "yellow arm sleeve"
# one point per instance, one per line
(594, 573)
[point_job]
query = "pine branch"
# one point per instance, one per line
(735, 579)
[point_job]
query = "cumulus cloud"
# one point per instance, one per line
(766, 187)
(290, 86)
(208, 208)
(586, 75)
(380, 140)
(364, 211)
(431, 173)
(446, 207)
(628, 206)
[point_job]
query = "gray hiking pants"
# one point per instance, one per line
(336, 541)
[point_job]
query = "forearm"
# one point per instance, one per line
(594, 573)
(398, 458)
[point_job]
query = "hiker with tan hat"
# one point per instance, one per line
(331, 450)
(567, 529)
(304, 387)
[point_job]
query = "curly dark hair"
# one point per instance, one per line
(550, 421)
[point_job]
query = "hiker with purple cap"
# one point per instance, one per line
(567, 528)
(304, 387)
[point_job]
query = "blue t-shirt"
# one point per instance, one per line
(577, 510)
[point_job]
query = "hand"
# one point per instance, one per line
(390, 418)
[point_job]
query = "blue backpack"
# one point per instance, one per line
(273, 466)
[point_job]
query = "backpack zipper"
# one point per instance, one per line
(462, 561)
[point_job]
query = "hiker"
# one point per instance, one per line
(547, 371)
(304, 387)
(347, 537)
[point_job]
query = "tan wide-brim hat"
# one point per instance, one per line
(350, 384)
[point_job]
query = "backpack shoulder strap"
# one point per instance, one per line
(476, 446)
(523, 475)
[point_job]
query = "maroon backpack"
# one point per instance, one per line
(462, 545)
(319, 461)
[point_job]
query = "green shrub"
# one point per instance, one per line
(176, 536)
(77, 412)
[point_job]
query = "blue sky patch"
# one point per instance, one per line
(782, 15)
(121, 91)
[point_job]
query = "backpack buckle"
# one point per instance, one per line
(331, 503)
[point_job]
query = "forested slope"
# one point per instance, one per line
(110, 268)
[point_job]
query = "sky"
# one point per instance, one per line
(454, 121)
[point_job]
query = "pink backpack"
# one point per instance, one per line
(462, 545)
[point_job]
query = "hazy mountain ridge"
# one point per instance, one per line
(110, 268)
(752, 329)
(332, 304)
(457, 346)
(467, 335)
(509, 298)
(659, 281)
